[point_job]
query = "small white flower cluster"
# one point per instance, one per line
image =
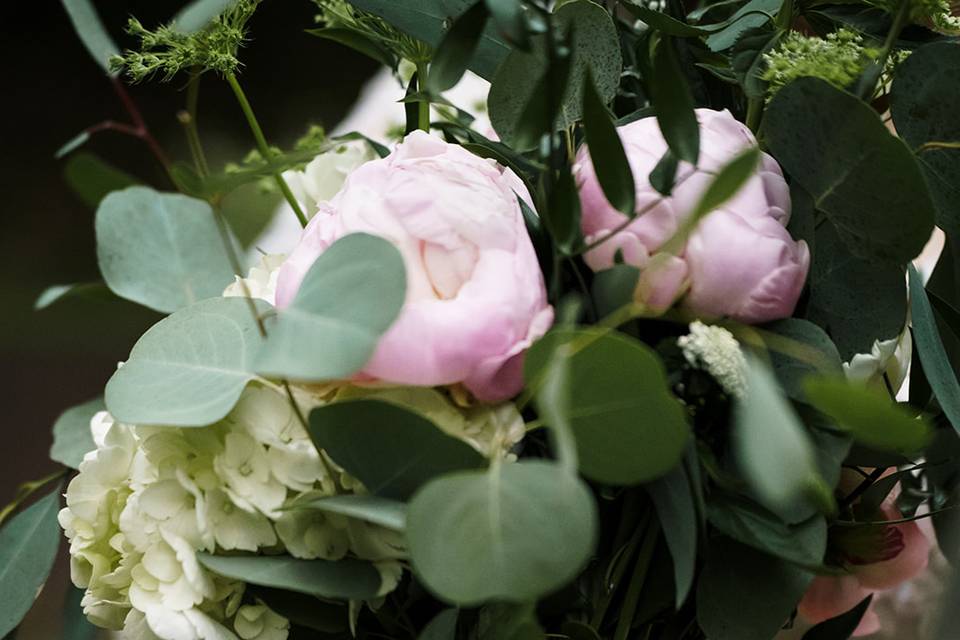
(148, 498)
(716, 351)
(261, 282)
(323, 176)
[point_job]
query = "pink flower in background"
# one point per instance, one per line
(740, 262)
(875, 559)
(475, 295)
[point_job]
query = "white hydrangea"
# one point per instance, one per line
(148, 498)
(716, 351)
(323, 176)
(261, 283)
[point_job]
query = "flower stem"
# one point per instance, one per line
(26, 490)
(423, 106)
(188, 118)
(263, 146)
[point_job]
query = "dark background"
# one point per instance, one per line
(61, 356)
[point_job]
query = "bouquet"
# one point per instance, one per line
(634, 346)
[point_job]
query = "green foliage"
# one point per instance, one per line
(189, 369)
(338, 579)
(369, 33)
(839, 59)
(91, 32)
(459, 44)
(380, 511)
(673, 104)
(28, 547)
(442, 627)
(92, 178)
(410, 449)
(496, 535)
(71, 433)
(627, 425)
(841, 627)
(673, 499)
(348, 299)
(799, 349)
(751, 15)
(81, 290)
(162, 250)
(170, 49)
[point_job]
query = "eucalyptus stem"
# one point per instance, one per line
(632, 598)
(423, 107)
(263, 146)
(26, 490)
(754, 113)
(188, 118)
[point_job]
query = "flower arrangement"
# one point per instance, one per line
(638, 349)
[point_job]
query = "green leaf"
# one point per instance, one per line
(545, 105)
(459, 44)
(508, 16)
(71, 433)
(162, 250)
(664, 23)
(28, 547)
(613, 288)
(562, 217)
(426, 20)
(841, 627)
(744, 594)
(606, 151)
(304, 610)
(518, 80)
(628, 427)
(868, 414)
(494, 535)
(578, 631)
(72, 144)
(374, 509)
(75, 623)
(936, 365)
(664, 174)
(861, 176)
(410, 449)
(341, 579)
(349, 298)
(82, 290)
(673, 104)
(855, 301)
(189, 369)
(91, 178)
(678, 517)
(91, 32)
(772, 447)
(747, 59)
(798, 349)
(924, 102)
(748, 16)
(358, 42)
(443, 626)
(503, 621)
(803, 544)
(199, 13)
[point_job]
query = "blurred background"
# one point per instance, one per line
(60, 356)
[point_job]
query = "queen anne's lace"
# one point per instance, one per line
(716, 351)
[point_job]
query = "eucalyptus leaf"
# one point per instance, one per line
(868, 414)
(92, 33)
(162, 250)
(340, 579)
(358, 42)
(304, 610)
(72, 144)
(443, 626)
(798, 349)
(924, 101)
(936, 365)
(189, 369)
(494, 535)
(675, 507)
(673, 103)
(861, 176)
(772, 448)
(81, 290)
(665, 23)
(348, 299)
(28, 547)
(628, 426)
(426, 20)
(76, 626)
(606, 151)
(595, 46)
(92, 178)
(410, 449)
(196, 15)
(72, 438)
(380, 511)
(744, 594)
(753, 14)
(454, 53)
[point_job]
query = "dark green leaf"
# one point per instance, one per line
(664, 175)
(71, 433)
(578, 631)
(673, 103)
(411, 108)
(798, 349)
(841, 627)
(340, 579)
(753, 14)
(924, 102)
(304, 610)
(348, 299)
(91, 32)
(457, 49)
(936, 365)
(28, 547)
(606, 151)
(92, 179)
(861, 176)
(476, 536)
(744, 594)
(628, 427)
(562, 217)
(673, 500)
(613, 288)
(358, 42)
(426, 20)
(508, 16)
(75, 623)
(747, 59)
(443, 626)
(410, 449)
(868, 414)
(665, 24)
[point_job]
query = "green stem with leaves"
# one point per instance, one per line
(263, 147)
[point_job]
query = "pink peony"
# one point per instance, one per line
(740, 262)
(475, 295)
(874, 559)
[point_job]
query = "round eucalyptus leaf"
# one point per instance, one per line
(72, 438)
